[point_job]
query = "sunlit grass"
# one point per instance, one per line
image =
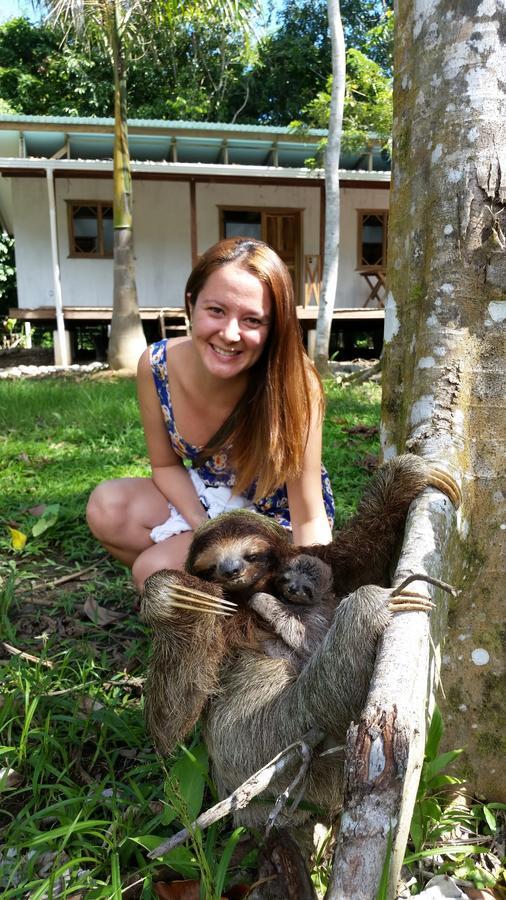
(83, 793)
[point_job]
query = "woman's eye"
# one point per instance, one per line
(252, 322)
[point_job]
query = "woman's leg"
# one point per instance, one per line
(121, 514)
(168, 554)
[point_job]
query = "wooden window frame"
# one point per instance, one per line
(383, 213)
(100, 205)
(263, 211)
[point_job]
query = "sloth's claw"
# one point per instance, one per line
(186, 598)
(194, 592)
(200, 609)
(446, 483)
(410, 601)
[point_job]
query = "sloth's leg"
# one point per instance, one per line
(188, 648)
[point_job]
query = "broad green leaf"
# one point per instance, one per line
(490, 818)
(434, 735)
(47, 519)
(440, 762)
(188, 772)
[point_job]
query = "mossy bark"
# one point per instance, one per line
(444, 355)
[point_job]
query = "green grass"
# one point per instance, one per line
(86, 794)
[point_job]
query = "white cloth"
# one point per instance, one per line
(216, 499)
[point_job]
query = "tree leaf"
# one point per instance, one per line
(18, 539)
(47, 519)
(434, 735)
(99, 615)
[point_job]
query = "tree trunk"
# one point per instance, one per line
(332, 206)
(443, 398)
(127, 340)
(444, 360)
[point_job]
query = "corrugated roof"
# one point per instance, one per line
(163, 124)
(157, 140)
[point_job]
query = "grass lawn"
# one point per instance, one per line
(83, 794)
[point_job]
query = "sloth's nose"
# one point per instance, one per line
(230, 568)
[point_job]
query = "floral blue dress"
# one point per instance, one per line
(216, 470)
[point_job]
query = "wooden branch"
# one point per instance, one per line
(364, 375)
(246, 791)
(14, 651)
(385, 748)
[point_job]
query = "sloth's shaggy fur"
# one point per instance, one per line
(255, 704)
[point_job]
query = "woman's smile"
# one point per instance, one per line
(231, 321)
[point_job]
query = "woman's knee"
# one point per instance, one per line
(106, 509)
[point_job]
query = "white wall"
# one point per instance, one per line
(32, 245)
(162, 236)
(352, 289)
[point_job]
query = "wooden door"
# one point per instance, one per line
(282, 231)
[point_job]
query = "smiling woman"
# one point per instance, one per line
(232, 417)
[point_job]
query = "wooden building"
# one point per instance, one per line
(193, 183)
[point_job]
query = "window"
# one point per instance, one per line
(242, 223)
(279, 227)
(90, 229)
(372, 239)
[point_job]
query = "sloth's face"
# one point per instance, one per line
(304, 580)
(237, 564)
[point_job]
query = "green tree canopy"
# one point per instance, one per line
(201, 68)
(367, 103)
(294, 61)
(198, 70)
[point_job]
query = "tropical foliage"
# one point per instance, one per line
(205, 66)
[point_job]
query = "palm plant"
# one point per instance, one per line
(120, 25)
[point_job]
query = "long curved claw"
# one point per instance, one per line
(410, 601)
(446, 483)
(194, 592)
(200, 609)
(188, 598)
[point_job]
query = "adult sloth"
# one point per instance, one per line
(254, 703)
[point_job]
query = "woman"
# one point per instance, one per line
(239, 401)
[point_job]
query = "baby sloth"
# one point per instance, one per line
(300, 609)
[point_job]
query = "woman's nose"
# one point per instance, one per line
(231, 330)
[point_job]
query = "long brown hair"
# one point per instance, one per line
(268, 429)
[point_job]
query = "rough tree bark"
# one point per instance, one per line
(443, 398)
(332, 204)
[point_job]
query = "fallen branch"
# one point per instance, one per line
(77, 573)
(385, 747)
(364, 375)
(14, 651)
(256, 784)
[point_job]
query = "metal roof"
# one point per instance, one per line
(155, 140)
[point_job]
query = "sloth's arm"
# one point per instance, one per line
(283, 623)
(187, 651)
(364, 549)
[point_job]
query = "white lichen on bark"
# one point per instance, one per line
(444, 394)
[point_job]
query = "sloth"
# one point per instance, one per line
(211, 657)
(300, 610)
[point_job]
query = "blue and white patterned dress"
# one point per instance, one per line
(216, 470)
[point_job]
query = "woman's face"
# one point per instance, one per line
(231, 321)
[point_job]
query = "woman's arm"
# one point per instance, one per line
(168, 473)
(310, 524)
